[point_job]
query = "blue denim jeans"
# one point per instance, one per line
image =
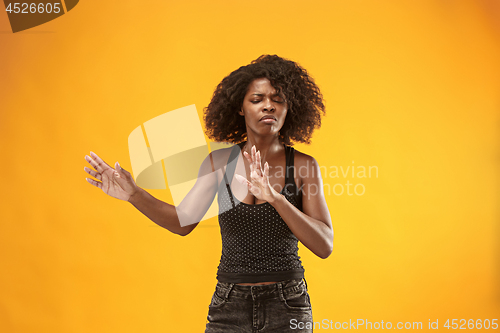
(264, 308)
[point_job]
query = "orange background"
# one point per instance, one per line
(412, 87)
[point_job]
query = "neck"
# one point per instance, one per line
(266, 145)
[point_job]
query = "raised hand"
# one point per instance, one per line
(258, 184)
(116, 182)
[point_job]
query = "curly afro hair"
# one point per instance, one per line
(304, 99)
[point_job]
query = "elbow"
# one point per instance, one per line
(184, 231)
(325, 253)
(327, 250)
(181, 233)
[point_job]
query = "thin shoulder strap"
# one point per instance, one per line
(231, 163)
(290, 168)
(230, 168)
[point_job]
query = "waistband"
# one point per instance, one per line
(279, 289)
(260, 277)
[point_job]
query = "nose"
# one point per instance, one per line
(269, 106)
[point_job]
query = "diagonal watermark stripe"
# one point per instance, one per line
(168, 150)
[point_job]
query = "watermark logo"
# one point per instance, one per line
(168, 150)
(29, 14)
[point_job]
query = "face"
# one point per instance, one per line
(263, 109)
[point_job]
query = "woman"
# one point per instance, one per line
(270, 196)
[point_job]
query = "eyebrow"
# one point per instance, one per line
(259, 94)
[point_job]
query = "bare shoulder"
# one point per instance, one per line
(304, 161)
(306, 169)
(216, 160)
(220, 157)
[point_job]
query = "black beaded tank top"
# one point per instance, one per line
(257, 245)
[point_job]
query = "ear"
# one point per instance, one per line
(241, 113)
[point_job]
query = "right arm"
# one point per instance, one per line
(180, 220)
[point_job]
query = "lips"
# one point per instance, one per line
(268, 117)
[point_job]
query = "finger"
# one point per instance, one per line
(99, 161)
(242, 180)
(255, 164)
(97, 158)
(248, 157)
(94, 182)
(93, 173)
(100, 167)
(258, 162)
(265, 177)
(254, 152)
(118, 170)
(93, 163)
(122, 173)
(254, 176)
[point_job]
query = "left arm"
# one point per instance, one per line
(313, 225)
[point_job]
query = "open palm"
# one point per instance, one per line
(258, 184)
(115, 182)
